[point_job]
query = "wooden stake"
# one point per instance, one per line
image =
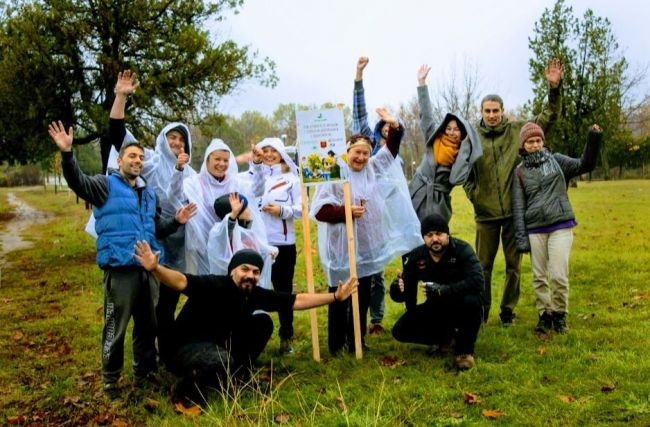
(352, 255)
(309, 271)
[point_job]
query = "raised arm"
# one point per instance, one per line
(395, 133)
(359, 112)
(306, 301)
(552, 109)
(93, 189)
(427, 124)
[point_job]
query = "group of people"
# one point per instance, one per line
(224, 238)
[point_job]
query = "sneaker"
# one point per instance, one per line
(376, 328)
(464, 362)
(285, 346)
(559, 322)
(507, 317)
(111, 391)
(545, 323)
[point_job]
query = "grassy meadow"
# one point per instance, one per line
(597, 374)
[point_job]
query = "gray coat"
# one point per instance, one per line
(432, 183)
(539, 188)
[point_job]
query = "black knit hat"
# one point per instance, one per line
(245, 256)
(222, 205)
(433, 222)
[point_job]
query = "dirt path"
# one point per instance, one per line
(25, 216)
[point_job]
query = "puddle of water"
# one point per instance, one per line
(25, 216)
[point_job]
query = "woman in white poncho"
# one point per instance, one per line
(385, 224)
(276, 182)
(217, 177)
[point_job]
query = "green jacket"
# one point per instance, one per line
(490, 180)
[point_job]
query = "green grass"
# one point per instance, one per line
(597, 374)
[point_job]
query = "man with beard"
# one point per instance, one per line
(452, 281)
(219, 333)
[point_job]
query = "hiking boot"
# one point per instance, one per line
(545, 323)
(285, 346)
(376, 328)
(559, 322)
(111, 391)
(464, 362)
(507, 317)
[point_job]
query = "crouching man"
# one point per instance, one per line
(218, 333)
(452, 279)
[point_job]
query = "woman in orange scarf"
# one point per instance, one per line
(451, 150)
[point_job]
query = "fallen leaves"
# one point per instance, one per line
(340, 402)
(607, 388)
(391, 361)
(492, 413)
(192, 411)
(282, 418)
(471, 398)
(567, 398)
(18, 335)
(16, 420)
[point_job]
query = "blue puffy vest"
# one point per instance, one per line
(123, 220)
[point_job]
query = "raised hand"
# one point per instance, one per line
(257, 154)
(387, 117)
(596, 128)
(185, 213)
(553, 72)
(423, 72)
(62, 138)
(235, 205)
(361, 65)
(126, 84)
(145, 256)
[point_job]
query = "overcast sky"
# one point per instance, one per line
(315, 45)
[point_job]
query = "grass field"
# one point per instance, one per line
(597, 374)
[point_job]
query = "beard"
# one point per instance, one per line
(437, 248)
(247, 285)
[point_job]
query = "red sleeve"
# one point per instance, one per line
(331, 213)
(394, 139)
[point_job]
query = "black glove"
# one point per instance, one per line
(435, 290)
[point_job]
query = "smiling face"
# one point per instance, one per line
(492, 113)
(453, 131)
(217, 163)
(358, 157)
(245, 277)
(270, 156)
(130, 162)
(176, 141)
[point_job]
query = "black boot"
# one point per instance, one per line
(559, 322)
(545, 323)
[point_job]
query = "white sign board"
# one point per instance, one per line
(321, 145)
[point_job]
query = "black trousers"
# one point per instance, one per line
(340, 326)
(282, 280)
(205, 365)
(437, 322)
(165, 312)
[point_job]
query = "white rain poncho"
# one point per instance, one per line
(388, 228)
(221, 248)
(203, 189)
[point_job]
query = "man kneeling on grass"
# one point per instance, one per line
(453, 284)
(218, 333)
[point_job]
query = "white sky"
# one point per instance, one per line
(316, 43)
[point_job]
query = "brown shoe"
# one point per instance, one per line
(376, 328)
(464, 362)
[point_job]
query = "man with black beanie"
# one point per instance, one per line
(452, 281)
(219, 333)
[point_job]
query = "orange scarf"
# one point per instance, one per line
(445, 151)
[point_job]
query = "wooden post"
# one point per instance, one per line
(309, 271)
(352, 255)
